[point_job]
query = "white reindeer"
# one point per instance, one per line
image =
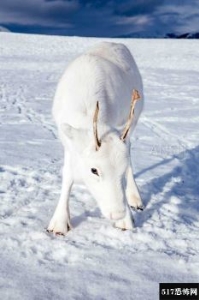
(91, 109)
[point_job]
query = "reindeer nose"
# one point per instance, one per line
(116, 215)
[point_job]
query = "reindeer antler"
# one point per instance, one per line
(95, 119)
(135, 97)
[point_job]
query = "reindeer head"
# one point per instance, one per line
(103, 164)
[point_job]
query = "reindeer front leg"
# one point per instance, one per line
(134, 201)
(60, 222)
(132, 193)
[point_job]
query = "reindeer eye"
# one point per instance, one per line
(95, 171)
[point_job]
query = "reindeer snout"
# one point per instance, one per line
(117, 215)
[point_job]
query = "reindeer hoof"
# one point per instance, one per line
(58, 228)
(123, 229)
(59, 233)
(141, 207)
(56, 232)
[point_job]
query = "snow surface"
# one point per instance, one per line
(95, 260)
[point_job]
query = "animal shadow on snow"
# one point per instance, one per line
(184, 179)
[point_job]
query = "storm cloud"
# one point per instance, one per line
(100, 18)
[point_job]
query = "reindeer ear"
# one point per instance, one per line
(78, 136)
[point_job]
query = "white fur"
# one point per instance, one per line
(107, 73)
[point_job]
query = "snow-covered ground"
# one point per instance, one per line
(95, 260)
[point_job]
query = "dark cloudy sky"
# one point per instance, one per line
(101, 17)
